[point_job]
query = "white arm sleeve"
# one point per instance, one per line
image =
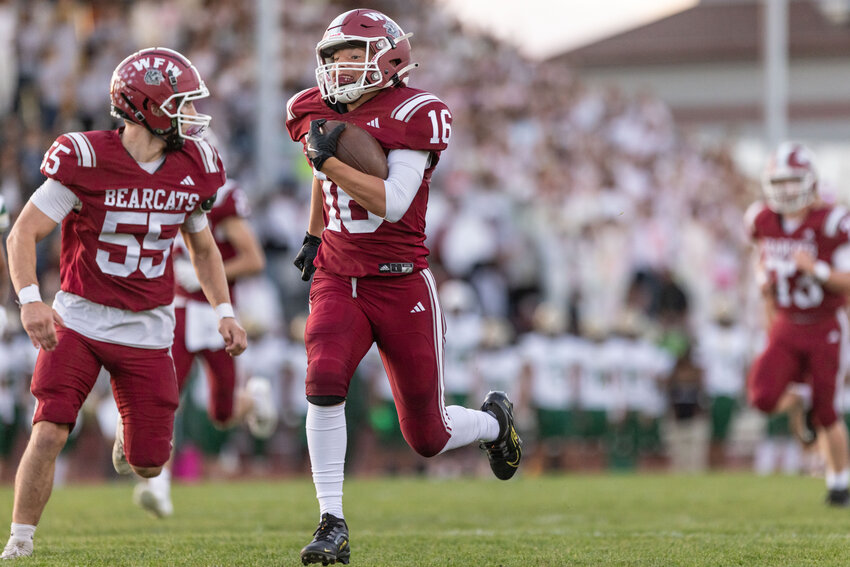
(841, 258)
(407, 168)
(196, 222)
(54, 200)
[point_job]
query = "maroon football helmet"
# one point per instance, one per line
(151, 87)
(387, 55)
(789, 180)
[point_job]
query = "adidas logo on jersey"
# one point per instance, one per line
(373, 123)
(187, 181)
(418, 308)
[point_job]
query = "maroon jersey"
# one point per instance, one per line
(116, 245)
(357, 243)
(822, 231)
(229, 202)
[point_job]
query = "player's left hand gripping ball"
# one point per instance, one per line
(322, 145)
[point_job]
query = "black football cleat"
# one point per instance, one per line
(839, 498)
(505, 452)
(330, 543)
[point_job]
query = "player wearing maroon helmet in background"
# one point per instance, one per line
(121, 197)
(804, 272)
(365, 248)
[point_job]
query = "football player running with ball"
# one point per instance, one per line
(804, 272)
(121, 197)
(365, 250)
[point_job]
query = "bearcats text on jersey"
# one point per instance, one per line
(156, 199)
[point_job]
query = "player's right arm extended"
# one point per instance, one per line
(37, 317)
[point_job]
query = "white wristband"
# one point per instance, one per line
(822, 271)
(224, 310)
(29, 294)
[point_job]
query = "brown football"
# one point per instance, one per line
(359, 149)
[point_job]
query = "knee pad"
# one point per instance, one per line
(325, 400)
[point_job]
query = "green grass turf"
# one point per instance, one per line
(641, 520)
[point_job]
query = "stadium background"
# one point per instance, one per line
(585, 221)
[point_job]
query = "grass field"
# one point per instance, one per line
(641, 520)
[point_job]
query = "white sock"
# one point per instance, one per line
(23, 531)
(837, 481)
(161, 484)
(326, 441)
(468, 426)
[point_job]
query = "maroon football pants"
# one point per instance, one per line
(220, 367)
(142, 382)
(402, 315)
(801, 353)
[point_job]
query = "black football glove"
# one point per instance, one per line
(321, 145)
(304, 259)
(207, 205)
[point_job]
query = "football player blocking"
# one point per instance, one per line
(365, 251)
(120, 200)
(804, 273)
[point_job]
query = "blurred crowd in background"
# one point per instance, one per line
(591, 256)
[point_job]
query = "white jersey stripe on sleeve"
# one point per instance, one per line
(208, 155)
(84, 148)
(291, 101)
(418, 106)
(830, 227)
(405, 109)
(91, 148)
(203, 147)
(76, 150)
(409, 100)
(215, 158)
